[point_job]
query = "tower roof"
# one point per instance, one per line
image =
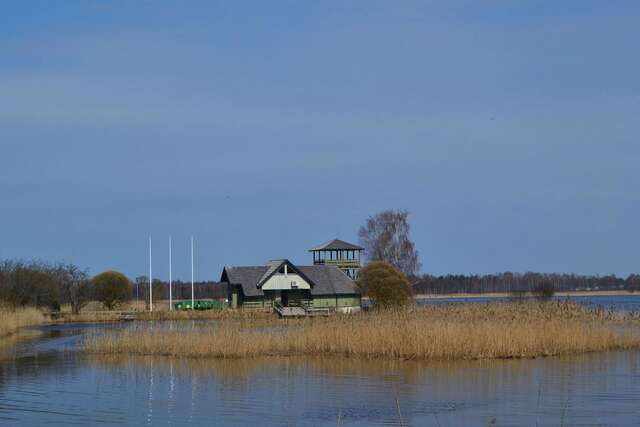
(337, 245)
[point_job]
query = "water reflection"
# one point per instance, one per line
(312, 392)
(48, 382)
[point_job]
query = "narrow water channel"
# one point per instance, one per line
(46, 380)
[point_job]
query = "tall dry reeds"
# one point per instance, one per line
(12, 320)
(474, 331)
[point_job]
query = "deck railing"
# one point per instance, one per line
(304, 303)
(278, 307)
(254, 305)
(344, 263)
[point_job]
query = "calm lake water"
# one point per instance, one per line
(627, 303)
(45, 380)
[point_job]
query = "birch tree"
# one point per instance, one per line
(385, 237)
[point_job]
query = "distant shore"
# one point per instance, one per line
(506, 294)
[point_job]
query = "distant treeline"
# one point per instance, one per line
(40, 284)
(47, 285)
(181, 290)
(521, 282)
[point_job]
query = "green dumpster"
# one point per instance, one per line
(199, 305)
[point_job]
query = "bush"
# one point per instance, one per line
(518, 295)
(385, 285)
(111, 288)
(160, 290)
(545, 290)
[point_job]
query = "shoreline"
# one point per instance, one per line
(115, 316)
(507, 295)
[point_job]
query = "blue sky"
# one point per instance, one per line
(508, 129)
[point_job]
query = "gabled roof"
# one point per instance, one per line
(329, 280)
(324, 279)
(275, 265)
(245, 276)
(272, 267)
(337, 245)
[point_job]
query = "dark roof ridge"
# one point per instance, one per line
(336, 244)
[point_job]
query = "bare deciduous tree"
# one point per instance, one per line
(28, 283)
(633, 283)
(74, 284)
(385, 237)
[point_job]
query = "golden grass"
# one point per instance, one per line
(94, 306)
(470, 331)
(12, 320)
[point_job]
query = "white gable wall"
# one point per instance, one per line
(282, 281)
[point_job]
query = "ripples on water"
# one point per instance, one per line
(45, 380)
(619, 303)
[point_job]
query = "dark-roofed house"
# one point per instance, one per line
(313, 286)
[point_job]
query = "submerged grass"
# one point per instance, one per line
(12, 320)
(452, 332)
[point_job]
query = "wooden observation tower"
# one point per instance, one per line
(343, 255)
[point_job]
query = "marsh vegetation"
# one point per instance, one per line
(452, 332)
(12, 320)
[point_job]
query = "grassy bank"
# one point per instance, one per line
(95, 313)
(484, 331)
(88, 317)
(12, 320)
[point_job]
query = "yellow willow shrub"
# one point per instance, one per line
(436, 333)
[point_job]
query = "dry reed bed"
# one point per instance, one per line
(12, 320)
(469, 331)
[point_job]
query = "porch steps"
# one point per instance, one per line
(290, 311)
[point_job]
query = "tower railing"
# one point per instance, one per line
(347, 263)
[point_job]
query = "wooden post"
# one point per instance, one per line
(234, 299)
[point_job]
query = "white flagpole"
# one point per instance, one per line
(170, 286)
(192, 296)
(150, 279)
